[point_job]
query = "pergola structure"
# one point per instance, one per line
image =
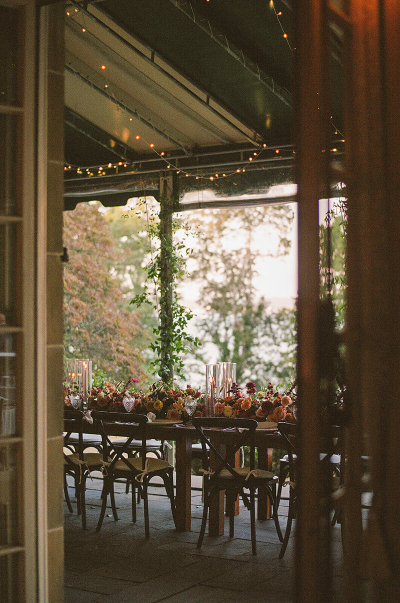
(201, 89)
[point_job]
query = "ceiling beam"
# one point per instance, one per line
(188, 8)
(133, 114)
(255, 137)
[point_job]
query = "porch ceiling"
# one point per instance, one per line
(199, 80)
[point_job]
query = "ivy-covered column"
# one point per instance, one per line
(168, 192)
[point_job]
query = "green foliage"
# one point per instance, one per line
(97, 323)
(165, 268)
(337, 220)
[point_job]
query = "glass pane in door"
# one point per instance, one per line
(8, 163)
(9, 22)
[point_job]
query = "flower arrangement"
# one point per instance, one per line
(161, 401)
(164, 402)
(265, 405)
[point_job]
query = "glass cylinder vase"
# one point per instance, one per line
(213, 386)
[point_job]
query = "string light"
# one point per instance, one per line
(161, 154)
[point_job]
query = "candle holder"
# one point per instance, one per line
(213, 386)
(79, 376)
(227, 378)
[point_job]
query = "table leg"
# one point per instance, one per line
(183, 468)
(264, 462)
(234, 460)
(216, 519)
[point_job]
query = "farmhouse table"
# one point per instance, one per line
(267, 438)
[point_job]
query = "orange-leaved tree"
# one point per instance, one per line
(97, 323)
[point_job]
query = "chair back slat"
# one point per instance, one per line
(245, 429)
(73, 424)
(134, 429)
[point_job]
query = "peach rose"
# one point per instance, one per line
(246, 404)
(260, 412)
(279, 414)
(285, 401)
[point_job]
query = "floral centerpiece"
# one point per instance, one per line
(164, 402)
(265, 405)
(159, 401)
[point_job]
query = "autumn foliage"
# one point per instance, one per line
(98, 324)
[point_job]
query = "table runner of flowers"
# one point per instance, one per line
(161, 401)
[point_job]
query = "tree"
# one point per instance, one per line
(98, 325)
(239, 321)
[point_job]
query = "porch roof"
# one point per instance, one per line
(208, 83)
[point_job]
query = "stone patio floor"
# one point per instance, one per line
(118, 565)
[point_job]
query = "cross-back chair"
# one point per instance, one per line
(79, 464)
(223, 475)
(138, 470)
(329, 463)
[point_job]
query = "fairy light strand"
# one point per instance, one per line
(100, 170)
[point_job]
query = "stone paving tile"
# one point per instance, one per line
(94, 581)
(171, 584)
(245, 577)
(73, 595)
(200, 594)
(119, 565)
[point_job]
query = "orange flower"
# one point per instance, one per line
(158, 405)
(246, 404)
(150, 405)
(219, 408)
(290, 418)
(173, 414)
(228, 411)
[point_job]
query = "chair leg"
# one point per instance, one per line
(204, 520)
(104, 496)
(112, 498)
(77, 496)
(288, 528)
(230, 507)
(274, 501)
(253, 521)
(283, 473)
(146, 508)
(81, 492)
(66, 494)
(133, 502)
(168, 480)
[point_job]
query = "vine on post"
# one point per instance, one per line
(166, 267)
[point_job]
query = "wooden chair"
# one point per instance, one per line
(79, 464)
(138, 470)
(244, 481)
(335, 461)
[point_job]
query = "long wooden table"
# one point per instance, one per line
(266, 440)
